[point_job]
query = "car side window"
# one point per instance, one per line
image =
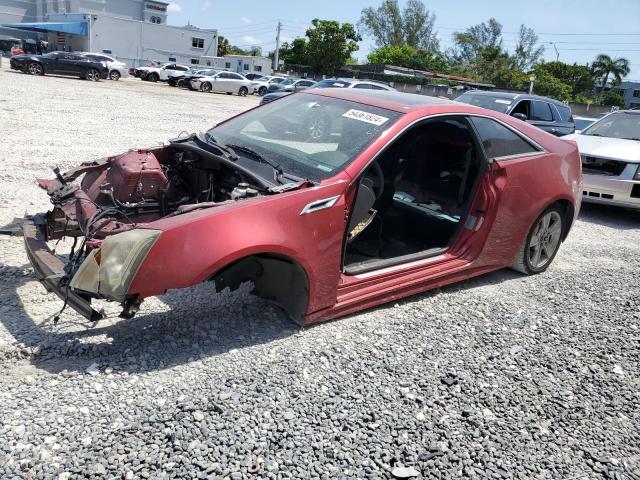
(235, 76)
(362, 85)
(541, 111)
(182, 69)
(499, 141)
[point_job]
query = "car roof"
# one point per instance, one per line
(391, 100)
(515, 96)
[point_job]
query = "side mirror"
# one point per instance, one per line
(520, 116)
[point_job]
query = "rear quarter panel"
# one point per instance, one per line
(528, 186)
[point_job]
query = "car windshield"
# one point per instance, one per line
(499, 104)
(617, 125)
(332, 84)
(308, 136)
(582, 123)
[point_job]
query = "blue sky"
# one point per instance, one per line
(579, 29)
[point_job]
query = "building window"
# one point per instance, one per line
(197, 42)
(195, 61)
(246, 67)
(227, 65)
(155, 19)
(636, 93)
(257, 68)
(208, 63)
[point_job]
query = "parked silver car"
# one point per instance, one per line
(117, 69)
(223, 82)
(610, 152)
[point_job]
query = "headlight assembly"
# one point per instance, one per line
(109, 271)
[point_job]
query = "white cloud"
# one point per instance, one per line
(245, 20)
(205, 5)
(174, 7)
(251, 40)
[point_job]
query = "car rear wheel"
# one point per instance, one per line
(542, 243)
(153, 77)
(262, 91)
(35, 68)
(114, 75)
(243, 91)
(92, 75)
(206, 87)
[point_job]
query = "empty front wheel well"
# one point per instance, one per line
(274, 277)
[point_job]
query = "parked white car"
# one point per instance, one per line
(224, 82)
(261, 85)
(117, 69)
(610, 152)
(162, 72)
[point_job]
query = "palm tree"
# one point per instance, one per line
(604, 65)
(223, 46)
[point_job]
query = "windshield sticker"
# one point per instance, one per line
(324, 168)
(365, 117)
(504, 102)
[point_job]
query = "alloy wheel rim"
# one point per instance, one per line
(34, 69)
(545, 239)
(91, 75)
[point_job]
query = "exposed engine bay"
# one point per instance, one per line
(142, 186)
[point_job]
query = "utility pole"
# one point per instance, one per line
(276, 56)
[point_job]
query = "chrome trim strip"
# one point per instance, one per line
(319, 205)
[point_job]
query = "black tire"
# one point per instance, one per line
(34, 68)
(205, 87)
(153, 77)
(262, 91)
(243, 92)
(92, 75)
(114, 75)
(542, 243)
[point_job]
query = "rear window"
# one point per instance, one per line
(500, 141)
(496, 103)
(565, 113)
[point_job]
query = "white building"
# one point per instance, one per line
(242, 64)
(134, 31)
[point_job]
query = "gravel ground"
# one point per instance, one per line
(503, 376)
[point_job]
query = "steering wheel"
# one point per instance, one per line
(374, 173)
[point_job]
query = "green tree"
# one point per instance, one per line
(612, 98)
(406, 56)
(330, 45)
(389, 25)
(578, 77)
(223, 46)
(526, 52)
(474, 40)
(295, 53)
(604, 65)
(549, 86)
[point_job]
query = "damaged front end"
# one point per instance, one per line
(107, 207)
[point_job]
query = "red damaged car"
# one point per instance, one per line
(328, 201)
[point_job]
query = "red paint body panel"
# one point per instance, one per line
(510, 196)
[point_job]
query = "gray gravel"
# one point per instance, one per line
(499, 377)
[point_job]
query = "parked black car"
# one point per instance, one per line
(60, 63)
(548, 114)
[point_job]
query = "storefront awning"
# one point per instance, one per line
(74, 28)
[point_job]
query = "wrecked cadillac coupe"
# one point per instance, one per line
(328, 201)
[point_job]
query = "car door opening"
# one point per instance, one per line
(412, 200)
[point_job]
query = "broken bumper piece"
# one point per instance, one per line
(49, 269)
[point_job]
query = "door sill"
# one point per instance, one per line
(374, 267)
